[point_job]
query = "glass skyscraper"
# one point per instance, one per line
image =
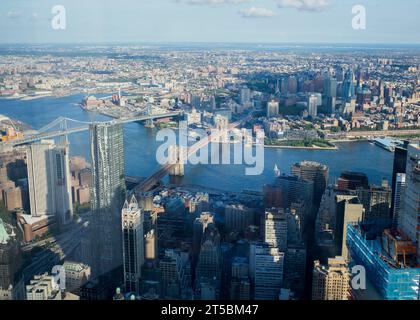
(108, 195)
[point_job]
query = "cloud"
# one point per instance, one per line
(304, 5)
(255, 12)
(13, 14)
(214, 2)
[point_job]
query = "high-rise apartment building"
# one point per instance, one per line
(49, 180)
(330, 87)
(245, 97)
(348, 210)
(172, 274)
(352, 181)
(240, 289)
(108, 194)
(398, 201)
(201, 224)
(238, 217)
(348, 88)
(133, 244)
(295, 269)
(294, 189)
(209, 267)
(332, 281)
(275, 231)
(268, 265)
(313, 105)
(9, 263)
(409, 219)
(399, 166)
(313, 172)
(272, 109)
(377, 201)
(150, 246)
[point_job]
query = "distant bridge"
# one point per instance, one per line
(65, 126)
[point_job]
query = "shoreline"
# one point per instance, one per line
(304, 148)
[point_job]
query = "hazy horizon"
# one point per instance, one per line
(209, 21)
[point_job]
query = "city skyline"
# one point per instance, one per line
(209, 21)
(217, 150)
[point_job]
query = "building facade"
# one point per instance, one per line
(49, 180)
(332, 281)
(108, 194)
(133, 244)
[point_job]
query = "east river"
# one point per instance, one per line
(141, 145)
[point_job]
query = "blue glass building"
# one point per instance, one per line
(393, 283)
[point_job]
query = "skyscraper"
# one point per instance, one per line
(294, 269)
(398, 200)
(245, 98)
(209, 265)
(272, 109)
(348, 210)
(108, 194)
(133, 244)
(201, 224)
(377, 201)
(313, 172)
(172, 274)
(352, 180)
(10, 260)
(399, 166)
(238, 217)
(330, 94)
(268, 264)
(49, 180)
(275, 231)
(293, 189)
(330, 87)
(409, 219)
(313, 105)
(331, 282)
(348, 91)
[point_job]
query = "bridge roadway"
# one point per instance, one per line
(151, 181)
(84, 127)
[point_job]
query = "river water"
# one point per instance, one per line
(141, 146)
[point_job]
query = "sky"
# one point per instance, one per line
(231, 21)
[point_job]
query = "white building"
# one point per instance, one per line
(313, 105)
(77, 274)
(272, 109)
(49, 180)
(43, 287)
(275, 232)
(193, 117)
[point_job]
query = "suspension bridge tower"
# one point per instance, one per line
(149, 122)
(177, 155)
